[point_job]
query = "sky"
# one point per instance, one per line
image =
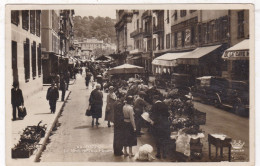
(94, 10)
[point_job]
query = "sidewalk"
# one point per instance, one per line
(37, 110)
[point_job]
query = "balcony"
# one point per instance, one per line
(158, 29)
(147, 14)
(147, 34)
(136, 32)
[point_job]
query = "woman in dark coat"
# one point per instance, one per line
(88, 77)
(118, 126)
(16, 99)
(96, 103)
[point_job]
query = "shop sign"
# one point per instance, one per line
(187, 37)
(233, 54)
(45, 56)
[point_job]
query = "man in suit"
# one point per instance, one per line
(16, 99)
(52, 96)
(161, 125)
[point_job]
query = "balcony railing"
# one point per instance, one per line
(136, 32)
(158, 29)
(147, 34)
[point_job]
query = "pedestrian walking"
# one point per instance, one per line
(87, 78)
(67, 78)
(96, 103)
(52, 96)
(16, 99)
(62, 87)
(118, 126)
(57, 81)
(161, 125)
(139, 105)
(111, 98)
(130, 139)
(100, 80)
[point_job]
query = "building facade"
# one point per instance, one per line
(124, 27)
(57, 25)
(26, 50)
(237, 67)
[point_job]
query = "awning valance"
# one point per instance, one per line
(168, 59)
(193, 57)
(239, 51)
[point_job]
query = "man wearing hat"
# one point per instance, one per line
(139, 105)
(161, 125)
(16, 98)
(52, 96)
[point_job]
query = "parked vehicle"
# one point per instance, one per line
(222, 92)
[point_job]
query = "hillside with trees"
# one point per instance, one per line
(102, 28)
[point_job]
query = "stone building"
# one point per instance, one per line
(26, 50)
(57, 25)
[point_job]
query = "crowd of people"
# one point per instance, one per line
(127, 100)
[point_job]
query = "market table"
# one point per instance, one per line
(219, 142)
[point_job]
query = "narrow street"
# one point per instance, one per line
(223, 122)
(86, 143)
(76, 140)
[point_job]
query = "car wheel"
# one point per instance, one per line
(239, 109)
(216, 103)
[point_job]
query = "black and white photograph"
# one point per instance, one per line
(170, 83)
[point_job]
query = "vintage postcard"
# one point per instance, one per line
(113, 84)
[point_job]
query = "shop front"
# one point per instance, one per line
(203, 61)
(50, 66)
(237, 59)
(166, 63)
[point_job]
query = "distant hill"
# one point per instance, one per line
(102, 28)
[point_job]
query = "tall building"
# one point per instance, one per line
(26, 50)
(137, 36)
(57, 25)
(124, 27)
(197, 41)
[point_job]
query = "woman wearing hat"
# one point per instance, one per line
(96, 103)
(111, 98)
(16, 98)
(129, 127)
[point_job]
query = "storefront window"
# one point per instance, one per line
(15, 17)
(25, 19)
(34, 60)
(168, 41)
(32, 21)
(183, 13)
(26, 47)
(240, 31)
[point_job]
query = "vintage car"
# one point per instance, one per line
(222, 92)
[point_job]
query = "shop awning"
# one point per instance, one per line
(239, 51)
(193, 57)
(168, 59)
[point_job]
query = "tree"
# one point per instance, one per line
(101, 28)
